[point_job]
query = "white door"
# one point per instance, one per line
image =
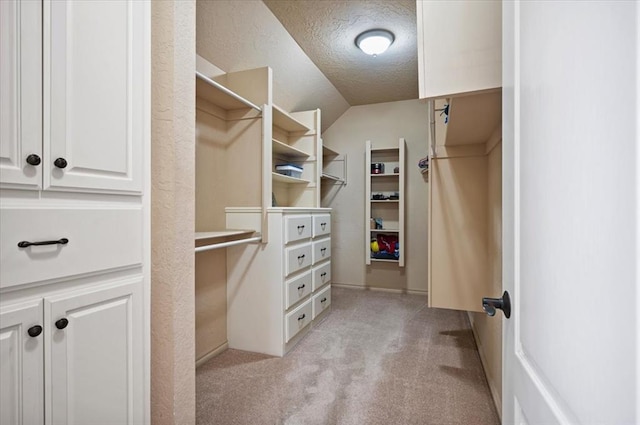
(570, 122)
(21, 364)
(21, 94)
(94, 355)
(94, 91)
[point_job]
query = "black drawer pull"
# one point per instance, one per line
(62, 323)
(301, 317)
(301, 286)
(33, 159)
(300, 257)
(25, 244)
(322, 275)
(60, 163)
(323, 250)
(323, 225)
(323, 300)
(34, 331)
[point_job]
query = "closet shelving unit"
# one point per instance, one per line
(334, 166)
(390, 210)
(229, 124)
(296, 140)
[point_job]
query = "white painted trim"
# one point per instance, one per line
(211, 354)
(373, 288)
(497, 399)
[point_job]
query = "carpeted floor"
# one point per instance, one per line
(378, 358)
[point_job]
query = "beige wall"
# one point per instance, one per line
(488, 330)
(172, 213)
(383, 124)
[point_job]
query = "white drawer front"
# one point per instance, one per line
(321, 225)
(321, 275)
(321, 301)
(297, 289)
(298, 319)
(297, 227)
(98, 239)
(321, 250)
(298, 257)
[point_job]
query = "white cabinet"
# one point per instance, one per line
(76, 104)
(93, 371)
(459, 46)
(22, 365)
(271, 288)
(384, 204)
(74, 280)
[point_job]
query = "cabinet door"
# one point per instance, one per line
(20, 93)
(21, 365)
(95, 89)
(95, 369)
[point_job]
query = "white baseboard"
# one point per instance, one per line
(211, 354)
(497, 400)
(374, 288)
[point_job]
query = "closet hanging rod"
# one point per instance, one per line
(227, 91)
(226, 244)
(432, 127)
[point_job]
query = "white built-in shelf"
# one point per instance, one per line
(385, 201)
(384, 150)
(216, 236)
(286, 122)
(382, 260)
(283, 149)
(386, 175)
(384, 230)
(280, 178)
(332, 178)
(219, 95)
(328, 151)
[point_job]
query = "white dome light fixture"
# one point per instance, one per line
(374, 42)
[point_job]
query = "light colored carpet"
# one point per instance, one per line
(379, 358)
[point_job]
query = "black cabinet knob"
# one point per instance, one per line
(60, 162)
(33, 159)
(62, 323)
(34, 331)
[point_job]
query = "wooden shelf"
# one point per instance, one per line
(328, 151)
(218, 234)
(385, 175)
(286, 122)
(219, 95)
(384, 201)
(382, 260)
(283, 149)
(332, 178)
(280, 178)
(384, 230)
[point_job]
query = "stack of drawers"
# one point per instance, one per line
(277, 291)
(307, 269)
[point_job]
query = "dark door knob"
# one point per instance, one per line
(33, 159)
(62, 323)
(34, 331)
(489, 305)
(60, 162)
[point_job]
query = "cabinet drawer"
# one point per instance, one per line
(297, 227)
(297, 320)
(321, 250)
(321, 275)
(297, 289)
(321, 225)
(321, 301)
(298, 257)
(98, 239)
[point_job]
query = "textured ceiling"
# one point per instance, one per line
(326, 31)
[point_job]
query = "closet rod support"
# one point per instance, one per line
(227, 91)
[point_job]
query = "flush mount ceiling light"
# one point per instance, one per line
(374, 42)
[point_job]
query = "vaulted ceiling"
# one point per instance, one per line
(326, 31)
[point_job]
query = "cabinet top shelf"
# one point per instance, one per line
(286, 122)
(221, 96)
